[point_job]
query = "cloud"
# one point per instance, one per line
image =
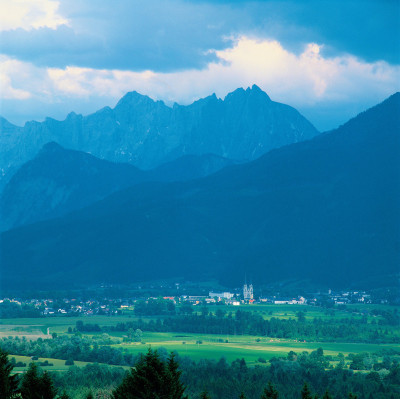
(29, 14)
(175, 35)
(308, 77)
(167, 36)
(8, 69)
(368, 29)
(126, 35)
(309, 81)
(9, 92)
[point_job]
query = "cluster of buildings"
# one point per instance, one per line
(69, 307)
(345, 297)
(228, 298)
(246, 295)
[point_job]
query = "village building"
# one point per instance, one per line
(221, 295)
(248, 293)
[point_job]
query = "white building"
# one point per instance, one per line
(248, 292)
(221, 295)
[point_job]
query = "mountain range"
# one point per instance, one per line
(325, 208)
(58, 181)
(147, 133)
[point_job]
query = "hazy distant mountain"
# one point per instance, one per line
(58, 181)
(10, 140)
(189, 167)
(145, 133)
(325, 209)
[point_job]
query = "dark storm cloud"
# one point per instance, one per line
(176, 35)
(131, 35)
(369, 29)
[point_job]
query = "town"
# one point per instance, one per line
(115, 305)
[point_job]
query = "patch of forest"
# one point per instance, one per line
(170, 376)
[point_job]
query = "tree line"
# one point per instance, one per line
(170, 377)
(249, 323)
(100, 349)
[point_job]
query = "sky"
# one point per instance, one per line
(328, 59)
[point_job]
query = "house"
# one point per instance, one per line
(221, 295)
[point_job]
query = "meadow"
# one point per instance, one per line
(244, 346)
(254, 349)
(56, 364)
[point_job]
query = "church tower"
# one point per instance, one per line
(251, 294)
(248, 292)
(245, 292)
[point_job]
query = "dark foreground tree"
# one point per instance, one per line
(204, 395)
(30, 384)
(37, 386)
(152, 379)
(48, 391)
(270, 392)
(177, 389)
(305, 392)
(8, 382)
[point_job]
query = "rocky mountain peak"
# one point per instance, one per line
(133, 98)
(256, 91)
(253, 93)
(147, 133)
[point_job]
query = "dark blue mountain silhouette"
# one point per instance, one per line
(325, 209)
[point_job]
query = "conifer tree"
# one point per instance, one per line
(173, 375)
(270, 392)
(242, 396)
(352, 396)
(327, 395)
(204, 395)
(8, 382)
(152, 379)
(47, 391)
(305, 392)
(36, 386)
(30, 384)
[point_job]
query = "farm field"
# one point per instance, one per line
(254, 349)
(248, 347)
(267, 311)
(38, 326)
(33, 328)
(57, 364)
(201, 346)
(245, 347)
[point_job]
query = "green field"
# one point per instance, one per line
(57, 364)
(242, 346)
(268, 311)
(38, 326)
(231, 347)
